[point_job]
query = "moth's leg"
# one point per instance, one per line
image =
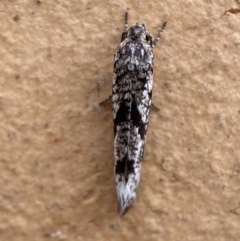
(154, 107)
(106, 100)
(154, 43)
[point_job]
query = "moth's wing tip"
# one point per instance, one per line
(124, 204)
(122, 209)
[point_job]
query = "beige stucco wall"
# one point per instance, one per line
(56, 143)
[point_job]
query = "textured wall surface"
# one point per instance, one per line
(56, 142)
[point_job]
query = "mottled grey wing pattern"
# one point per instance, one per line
(132, 94)
(131, 97)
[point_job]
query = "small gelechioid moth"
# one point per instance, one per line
(132, 99)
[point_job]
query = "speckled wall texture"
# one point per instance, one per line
(56, 151)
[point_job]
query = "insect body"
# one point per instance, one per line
(132, 98)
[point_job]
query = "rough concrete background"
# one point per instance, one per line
(56, 152)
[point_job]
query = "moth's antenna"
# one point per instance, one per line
(159, 35)
(126, 19)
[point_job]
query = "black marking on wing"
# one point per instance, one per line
(122, 115)
(125, 167)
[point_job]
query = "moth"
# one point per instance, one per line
(131, 103)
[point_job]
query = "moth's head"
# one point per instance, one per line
(139, 32)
